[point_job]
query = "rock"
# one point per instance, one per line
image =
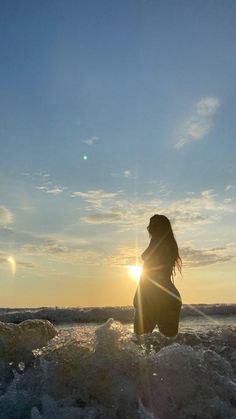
(18, 341)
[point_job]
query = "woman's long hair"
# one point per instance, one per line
(161, 232)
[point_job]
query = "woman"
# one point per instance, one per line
(157, 301)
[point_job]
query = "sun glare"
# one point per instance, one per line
(12, 262)
(135, 272)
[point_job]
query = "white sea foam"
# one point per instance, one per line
(105, 372)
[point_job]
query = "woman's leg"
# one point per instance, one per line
(168, 319)
(144, 321)
(145, 304)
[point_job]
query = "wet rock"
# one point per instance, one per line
(18, 341)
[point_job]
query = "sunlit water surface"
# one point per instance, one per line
(190, 324)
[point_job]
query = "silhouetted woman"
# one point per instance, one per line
(157, 301)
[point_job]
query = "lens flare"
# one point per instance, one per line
(12, 262)
(135, 272)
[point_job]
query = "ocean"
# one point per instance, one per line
(95, 367)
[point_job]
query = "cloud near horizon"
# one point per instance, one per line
(198, 125)
(193, 258)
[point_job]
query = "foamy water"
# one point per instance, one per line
(102, 371)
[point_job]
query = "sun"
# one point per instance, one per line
(135, 272)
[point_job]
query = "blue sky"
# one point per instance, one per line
(145, 90)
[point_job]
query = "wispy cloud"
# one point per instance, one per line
(91, 141)
(202, 257)
(66, 252)
(102, 218)
(27, 245)
(44, 184)
(124, 255)
(113, 208)
(6, 217)
(191, 257)
(127, 173)
(4, 258)
(38, 176)
(229, 188)
(55, 190)
(203, 208)
(97, 198)
(198, 125)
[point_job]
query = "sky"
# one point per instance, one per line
(110, 112)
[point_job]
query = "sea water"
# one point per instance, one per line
(191, 324)
(94, 370)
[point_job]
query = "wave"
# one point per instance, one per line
(106, 373)
(59, 315)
